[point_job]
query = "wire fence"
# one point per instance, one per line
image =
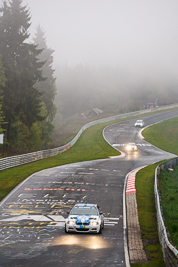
(170, 253)
(9, 162)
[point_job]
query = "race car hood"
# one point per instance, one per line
(82, 218)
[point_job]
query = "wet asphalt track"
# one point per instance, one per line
(32, 216)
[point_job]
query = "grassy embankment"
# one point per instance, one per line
(163, 135)
(168, 183)
(168, 186)
(90, 146)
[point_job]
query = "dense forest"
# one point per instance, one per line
(38, 104)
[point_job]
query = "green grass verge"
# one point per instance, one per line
(168, 186)
(147, 217)
(90, 146)
(163, 135)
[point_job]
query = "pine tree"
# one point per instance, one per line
(46, 87)
(22, 68)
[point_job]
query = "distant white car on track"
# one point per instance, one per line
(139, 123)
(131, 147)
(85, 218)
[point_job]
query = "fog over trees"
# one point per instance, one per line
(109, 88)
(60, 59)
(110, 54)
(47, 87)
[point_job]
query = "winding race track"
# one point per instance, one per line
(32, 216)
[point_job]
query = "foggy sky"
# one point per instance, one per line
(139, 35)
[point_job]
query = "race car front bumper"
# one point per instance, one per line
(82, 228)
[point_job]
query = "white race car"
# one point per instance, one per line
(85, 218)
(139, 123)
(131, 147)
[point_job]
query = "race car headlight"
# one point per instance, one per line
(128, 147)
(93, 223)
(71, 222)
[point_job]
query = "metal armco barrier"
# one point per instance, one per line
(170, 253)
(14, 161)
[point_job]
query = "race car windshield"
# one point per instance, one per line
(84, 211)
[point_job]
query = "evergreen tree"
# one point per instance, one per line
(46, 87)
(22, 68)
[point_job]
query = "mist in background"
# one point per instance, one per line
(113, 54)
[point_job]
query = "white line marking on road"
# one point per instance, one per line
(114, 157)
(57, 218)
(118, 145)
(105, 222)
(136, 144)
(110, 221)
(85, 173)
(67, 172)
(109, 218)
